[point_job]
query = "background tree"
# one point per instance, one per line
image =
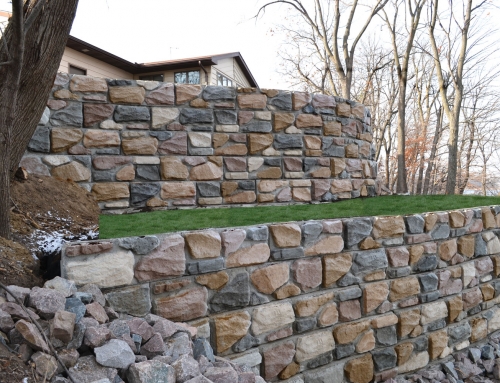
(31, 49)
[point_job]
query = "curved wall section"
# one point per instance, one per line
(139, 144)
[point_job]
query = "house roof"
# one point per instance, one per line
(139, 68)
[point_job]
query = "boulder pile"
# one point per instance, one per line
(96, 345)
(477, 364)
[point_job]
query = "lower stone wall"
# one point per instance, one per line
(351, 300)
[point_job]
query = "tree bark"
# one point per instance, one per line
(432, 155)
(25, 84)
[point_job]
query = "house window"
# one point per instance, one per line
(75, 70)
(152, 77)
(223, 80)
(188, 77)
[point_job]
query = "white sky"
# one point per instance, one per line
(156, 30)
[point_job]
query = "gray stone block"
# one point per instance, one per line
(414, 224)
(258, 299)
(235, 294)
(208, 189)
(384, 359)
(334, 151)
(480, 246)
(141, 192)
(348, 294)
(436, 325)
(356, 230)
(399, 272)
(140, 245)
(421, 344)
(246, 343)
(440, 231)
(116, 353)
(40, 141)
(75, 306)
(206, 266)
(147, 173)
(272, 162)
(429, 282)
(348, 280)
(369, 260)
(293, 253)
(196, 116)
(320, 360)
(288, 141)
(386, 336)
(257, 127)
(133, 300)
(202, 347)
(103, 175)
(258, 233)
(311, 232)
(427, 263)
(344, 350)
(161, 136)
(202, 128)
(246, 185)
(200, 151)
(125, 113)
(333, 373)
(72, 115)
(226, 117)
(430, 297)
(219, 93)
(304, 324)
(282, 101)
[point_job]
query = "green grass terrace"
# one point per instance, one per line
(166, 221)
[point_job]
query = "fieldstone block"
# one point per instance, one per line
(357, 230)
(360, 370)
(125, 113)
(236, 293)
(272, 317)
(71, 115)
(133, 300)
(204, 244)
(307, 273)
(277, 358)
(189, 304)
(269, 279)
(384, 359)
(369, 261)
(286, 235)
(230, 328)
(414, 224)
(141, 192)
(219, 93)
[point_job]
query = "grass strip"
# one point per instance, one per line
(166, 221)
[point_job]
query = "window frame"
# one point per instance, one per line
(70, 66)
(186, 72)
(152, 77)
(224, 77)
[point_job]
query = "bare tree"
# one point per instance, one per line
(321, 37)
(30, 52)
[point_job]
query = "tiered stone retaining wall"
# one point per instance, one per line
(353, 300)
(142, 144)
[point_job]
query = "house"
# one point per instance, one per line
(82, 58)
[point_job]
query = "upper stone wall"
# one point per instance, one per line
(145, 143)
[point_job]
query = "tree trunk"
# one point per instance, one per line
(432, 155)
(25, 97)
(401, 185)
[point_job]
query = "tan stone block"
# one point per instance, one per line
(270, 278)
(387, 227)
(358, 111)
(252, 101)
(270, 173)
(247, 196)
(308, 121)
(351, 151)
(247, 256)
(65, 94)
(108, 191)
(329, 315)
(172, 168)
(375, 276)
(186, 92)
(488, 218)
(341, 186)
(230, 328)
(213, 281)
(496, 264)
(430, 221)
(289, 290)
(366, 343)
(291, 370)
(416, 253)
(403, 288)
(187, 305)
(438, 341)
(313, 345)
(206, 244)
(271, 317)
(374, 295)
(448, 249)
(456, 219)
(312, 142)
(127, 94)
(300, 99)
(265, 198)
(369, 243)
(343, 109)
(327, 245)
(301, 194)
(416, 362)
(321, 173)
(385, 321)
(488, 292)
(219, 139)
(259, 142)
(404, 351)
(479, 329)
(199, 103)
(337, 165)
(174, 190)
(431, 312)
(206, 172)
(88, 84)
(310, 306)
(74, 171)
(359, 370)
(283, 120)
(141, 146)
(346, 333)
(156, 202)
(335, 267)
(286, 235)
(127, 173)
(466, 245)
(408, 320)
(63, 138)
(163, 116)
(455, 307)
(271, 186)
(100, 139)
(332, 128)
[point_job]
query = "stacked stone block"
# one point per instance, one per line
(353, 300)
(138, 144)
